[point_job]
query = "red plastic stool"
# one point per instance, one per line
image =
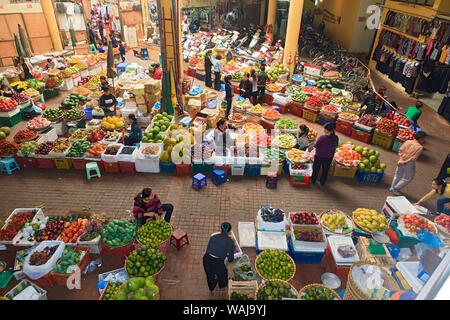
(177, 237)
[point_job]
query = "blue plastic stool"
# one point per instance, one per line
(144, 53)
(9, 165)
(199, 181)
(219, 176)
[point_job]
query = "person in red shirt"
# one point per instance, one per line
(147, 205)
(157, 75)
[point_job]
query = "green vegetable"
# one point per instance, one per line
(272, 155)
(286, 124)
(79, 148)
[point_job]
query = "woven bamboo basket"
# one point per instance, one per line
(282, 252)
(248, 288)
(275, 280)
(442, 229)
(302, 290)
(335, 232)
(40, 129)
(159, 243)
(150, 275)
(363, 228)
(353, 292)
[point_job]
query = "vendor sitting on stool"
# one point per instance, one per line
(108, 102)
(135, 134)
(147, 205)
(5, 91)
(220, 247)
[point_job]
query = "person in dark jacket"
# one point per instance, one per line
(445, 169)
(122, 50)
(135, 134)
(369, 100)
(92, 37)
(208, 67)
(229, 55)
(103, 83)
(254, 82)
(147, 205)
(113, 40)
(220, 247)
(108, 102)
(245, 87)
(325, 148)
(262, 81)
(228, 94)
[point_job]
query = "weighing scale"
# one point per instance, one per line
(376, 244)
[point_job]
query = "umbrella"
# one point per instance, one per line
(19, 47)
(24, 41)
(72, 35)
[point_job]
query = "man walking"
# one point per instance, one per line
(408, 154)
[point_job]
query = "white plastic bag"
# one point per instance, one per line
(36, 272)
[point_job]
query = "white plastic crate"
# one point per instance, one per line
(111, 158)
(397, 206)
(307, 246)
(301, 173)
(39, 216)
(67, 84)
(237, 170)
(409, 270)
(246, 228)
(272, 240)
(95, 245)
(335, 242)
(127, 157)
(271, 226)
(60, 127)
(281, 98)
(238, 252)
(144, 164)
(126, 111)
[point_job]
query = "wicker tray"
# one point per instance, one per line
(442, 229)
(157, 244)
(22, 141)
(282, 281)
(335, 232)
(150, 275)
(76, 119)
(282, 252)
(40, 129)
(364, 229)
(302, 290)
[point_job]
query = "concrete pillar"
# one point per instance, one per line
(293, 31)
(271, 15)
(50, 18)
(263, 12)
(144, 16)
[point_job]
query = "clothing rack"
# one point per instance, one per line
(393, 51)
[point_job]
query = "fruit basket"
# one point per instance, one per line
(410, 224)
(261, 294)
(271, 115)
(240, 289)
(306, 291)
(361, 215)
(275, 258)
(25, 135)
(296, 156)
(330, 226)
(285, 141)
(156, 237)
(133, 261)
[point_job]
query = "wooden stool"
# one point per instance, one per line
(177, 237)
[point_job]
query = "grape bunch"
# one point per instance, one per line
(39, 258)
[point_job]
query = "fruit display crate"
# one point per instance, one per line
(167, 167)
(252, 169)
(79, 164)
(296, 109)
(63, 164)
(45, 163)
(323, 119)
(202, 167)
(118, 251)
(95, 245)
(310, 115)
(266, 168)
(397, 145)
(127, 167)
(247, 288)
(382, 140)
(362, 136)
(183, 169)
(19, 160)
(343, 171)
(299, 180)
(304, 257)
(30, 162)
(237, 170)
(44, 281)
(369, 177)
(340, 271)
(23, 284)
(344, 127)
(62, 279)
(111, 167)
(10, 119)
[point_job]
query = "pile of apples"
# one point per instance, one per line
(52, 230)
(407, 134)
(444, 221)
(305, 217)
(414, 223)
(73, 230)
(402, 121)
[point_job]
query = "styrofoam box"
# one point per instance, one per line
(143, 164)
(238, 254)
(95, 245)
(246, 227)
(293, 224)
(271, 226)
(272, 240)
(396, 206)
(307, 245)
(409, 270)
(126, 157)
(60, 127)
(111, 158)
(37, 217)
(335, 242)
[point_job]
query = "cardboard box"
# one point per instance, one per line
(139, 89)
(140, 99)
(194, 105)
(143, 108)
(153, 98)
(152, 86)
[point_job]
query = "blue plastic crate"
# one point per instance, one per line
(322, 120)
(202, 168)
(252, 169)
(369, 177)
(286, 168)
(167, 167)
(304, 257)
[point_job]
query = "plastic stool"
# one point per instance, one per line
(199, 181)
(92, 166)
(219, 176)
(271, 180)
(9, 165)
(177, 237)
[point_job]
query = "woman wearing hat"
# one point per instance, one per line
(220, 247)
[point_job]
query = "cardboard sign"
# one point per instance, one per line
(312, 70)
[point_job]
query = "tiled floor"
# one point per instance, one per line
(201, 213)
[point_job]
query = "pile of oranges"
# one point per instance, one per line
(347, 156)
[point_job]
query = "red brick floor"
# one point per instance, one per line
(200, 213)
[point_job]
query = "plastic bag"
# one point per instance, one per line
(404, 254)
(243, 270)
(36, 272)
(429, 239)
(421, 248)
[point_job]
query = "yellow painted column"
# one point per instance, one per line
(293, 30)
(263, 12)
(271, 15)
(50, 18)
(144, 15)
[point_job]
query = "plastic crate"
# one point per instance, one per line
(79, 164)
(12, 120)
(167, 167)
(183, 169)
(95, 245)
(369, 177)
(296, 109)
(323, 119)
(19, 160)
(268, 98)
(226, 169)
(266, 168)
(310, 115)
(45, 281)
(361, 135)
(382, 140)
(202, 168)
(63, 164)
(340, 271)
(30, 162)
(237, 170)
(344, 172)
(344, 127)
(61, 279)
(45, 163)
(304, 257)
(397, 145)
(23, 284)
(127, 167)
(118, 251)
(299, 180)
(111, 167)
(252, 169)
